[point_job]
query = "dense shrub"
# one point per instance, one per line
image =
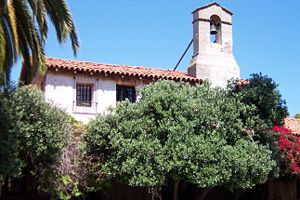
(198, 134)
(10, 162)
(262, 92)
(288, 146)
(33, 135)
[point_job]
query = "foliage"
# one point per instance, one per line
(71, 169)
(289, 152)
(40, 141)
(23, 32)
(72, 187)
(35, 133)
(196, 134)
(10, 163)
(74, 174)
(262, 92)
(297, 116)
(39, 126)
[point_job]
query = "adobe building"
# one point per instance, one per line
(86, 88)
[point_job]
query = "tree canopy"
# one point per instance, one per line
(208, 137)
(33, 133)
(10, 163)
(196, 134)
(262, 92)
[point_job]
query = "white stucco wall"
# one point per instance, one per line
(61, 89)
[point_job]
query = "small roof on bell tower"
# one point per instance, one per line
(213, 4)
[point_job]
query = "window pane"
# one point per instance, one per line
(126, 92)
(84, 95)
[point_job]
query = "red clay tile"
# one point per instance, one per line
(122, 70)
(292, 124)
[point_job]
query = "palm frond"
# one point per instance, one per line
(37, 53)
(62, 20)
(23, 31)
(9, 52)
(30, 38)
(25, 51)
(12, 24)
(9, 43)
(2, 54)
(39, 12)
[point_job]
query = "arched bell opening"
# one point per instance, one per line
(215, 29)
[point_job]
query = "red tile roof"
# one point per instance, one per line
(292, 124)
(121, 70)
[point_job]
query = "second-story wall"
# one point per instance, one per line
(60, 87)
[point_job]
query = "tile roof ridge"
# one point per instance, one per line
(110, 64)
(291, 118)
(80, 61)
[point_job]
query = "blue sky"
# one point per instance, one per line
(155, 34)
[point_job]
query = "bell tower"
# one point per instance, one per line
(212, 39)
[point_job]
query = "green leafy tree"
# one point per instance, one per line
(262, 92)
(33, 135)
(198, 135)
(41, 127)
(297, 116)
(10, 163)
(23, 32)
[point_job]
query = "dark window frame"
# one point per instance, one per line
(125, 92)
(84, 94)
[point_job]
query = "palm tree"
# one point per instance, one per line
(23, 31)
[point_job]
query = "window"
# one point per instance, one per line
(84, 95)
(126, 92)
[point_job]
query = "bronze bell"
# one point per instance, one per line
(213, 28)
